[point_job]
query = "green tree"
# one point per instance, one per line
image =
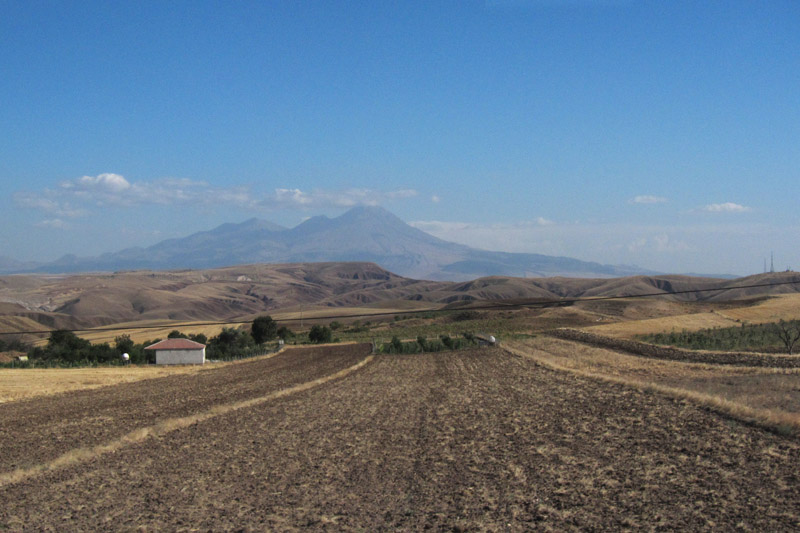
(422, 341)
(285, 333)
(199, 337)
(175, 334)
(230, 342)
(447, 341)
(124, 344)
(320, 334)
(263, 329)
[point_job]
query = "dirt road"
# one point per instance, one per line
(472, 440)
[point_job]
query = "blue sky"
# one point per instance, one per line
(663, 134)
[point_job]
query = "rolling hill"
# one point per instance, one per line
(243, 292)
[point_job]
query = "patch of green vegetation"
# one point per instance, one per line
(754, 337)
(422, 344)
(13, 345)
(494, 324)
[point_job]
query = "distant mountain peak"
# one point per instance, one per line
(362, 233)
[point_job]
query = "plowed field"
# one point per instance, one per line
(469, 440)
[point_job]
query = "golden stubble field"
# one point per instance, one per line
(20, 384)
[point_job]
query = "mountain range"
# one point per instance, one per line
(363, 233)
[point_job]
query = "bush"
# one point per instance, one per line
(422, 344)
(230, 343)
(461, 316)
(447, 341)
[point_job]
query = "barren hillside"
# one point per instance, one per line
(30, 302)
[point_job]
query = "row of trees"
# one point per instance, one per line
(13, 345)
(783, 334)
(422, 344)
(64, 346)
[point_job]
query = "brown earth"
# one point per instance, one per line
(39, 430)
(476, 440)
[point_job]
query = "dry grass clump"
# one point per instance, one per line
(764, 396)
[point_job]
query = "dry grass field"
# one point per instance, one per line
(334, 439)
(153, 330)
(19, 384)
(294, 318)
(771, 309)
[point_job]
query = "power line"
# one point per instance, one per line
(490, 305)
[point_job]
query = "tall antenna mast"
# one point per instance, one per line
(771, 262)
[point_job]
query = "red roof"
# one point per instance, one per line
(176, 344)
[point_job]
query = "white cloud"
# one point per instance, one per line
(48, 205)
(435, 199)
(727, 207)
(648, 199)
(54, 223)
(105, 183)
(318, 198)
(75, 198)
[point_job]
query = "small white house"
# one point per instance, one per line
(179, 352)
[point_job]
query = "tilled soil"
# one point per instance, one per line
(476, 440)
(38, 430)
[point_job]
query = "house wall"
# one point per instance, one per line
(180, 357)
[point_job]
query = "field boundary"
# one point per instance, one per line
(82, 455)
(779, 423)
(670, 353)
